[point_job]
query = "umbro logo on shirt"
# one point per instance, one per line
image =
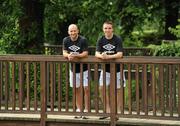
(108, 47)
(74, 48)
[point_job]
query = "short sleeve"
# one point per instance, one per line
(65, 43)
(84, 44)
(98, 47)
(119, 45)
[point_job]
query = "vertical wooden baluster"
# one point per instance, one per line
(96, 85)
(122, 89)
(113, 92)
(81, 86)
(7, 87)
(13, 87)
(129, 89)
(59, 86)
(28, 85)
(35, 86)
(89, 88)
(43, 81)
(105, 91)
(67, 87)
(145, 89)
(74, 87)
(153, 89)
(137, 89)
(170, 91)
(52, 86)
(161, 77)
(21, 83)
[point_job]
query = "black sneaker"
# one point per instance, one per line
(78, 117)
(103, 117)
(84, 117)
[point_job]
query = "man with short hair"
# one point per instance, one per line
(109, 46)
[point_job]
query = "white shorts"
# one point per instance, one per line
(108, 79)
(85, 79)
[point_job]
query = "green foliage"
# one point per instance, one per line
(176, 31)
(58, 14)
(94, 13)
(9, 40)
(170, 49)
(90, 15)
(9, 30)
(132, 41)
(128, 17)
(134, 15)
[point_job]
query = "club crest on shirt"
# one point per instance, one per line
(74, 48)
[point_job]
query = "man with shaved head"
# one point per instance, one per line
(75, 47)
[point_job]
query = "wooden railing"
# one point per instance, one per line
(40, 84)
(128, 51)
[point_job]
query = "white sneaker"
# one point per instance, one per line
(77, 110)
(85, 110)
(78, 117)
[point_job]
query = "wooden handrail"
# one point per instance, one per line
(91, 59)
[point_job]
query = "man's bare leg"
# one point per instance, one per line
(107, 102)
(78, 99)
(86, 98)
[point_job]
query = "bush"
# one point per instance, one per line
(166, 49)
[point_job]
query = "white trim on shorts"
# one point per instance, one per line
(85, 78)
(108, 79)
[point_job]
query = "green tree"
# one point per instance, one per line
(27, 24)
(22, 26)
(58, 15)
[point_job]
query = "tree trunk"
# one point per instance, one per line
(171, 17)
(31, 26)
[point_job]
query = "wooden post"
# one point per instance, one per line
(113, 93)
(43, 76)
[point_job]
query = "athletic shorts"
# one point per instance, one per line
(85, 79)
(108, 79)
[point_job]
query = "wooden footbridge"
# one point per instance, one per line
(34, 91)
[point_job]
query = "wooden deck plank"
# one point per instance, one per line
(91, 119)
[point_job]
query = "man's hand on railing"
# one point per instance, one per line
(104, 55)
(72, 56)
